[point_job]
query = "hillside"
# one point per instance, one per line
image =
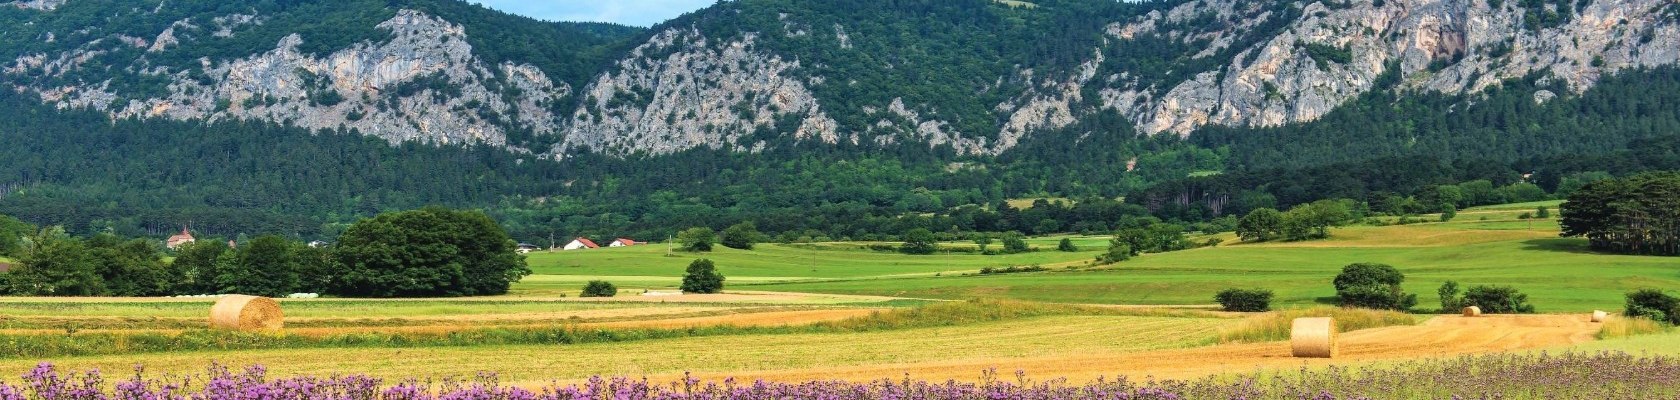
(741, 103)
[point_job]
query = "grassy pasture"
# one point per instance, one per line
(1558, 274)
(649, 266)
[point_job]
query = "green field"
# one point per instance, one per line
(651, 265)
(1486, 245)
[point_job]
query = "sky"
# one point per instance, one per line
(628, 12)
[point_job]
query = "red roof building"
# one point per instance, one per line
(621, 242)
(581, 243)
(176, 241)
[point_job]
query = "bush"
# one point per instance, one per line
(1370, 285)
(1498, 300)
(702, 277)
(1245, 300)
(1653, 304)
(1012, 269)
(1066, 245)
(599, 289)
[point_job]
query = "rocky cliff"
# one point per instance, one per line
(682, 86)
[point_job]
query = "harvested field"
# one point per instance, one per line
(1438, 337)
(995, 344)
(1077, 347)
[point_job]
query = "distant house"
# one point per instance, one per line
(622, 242)
(581, 243)
(176, 241)
(527, 248)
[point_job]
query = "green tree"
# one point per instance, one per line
(919, 241)
(1542, 212)
(702, 277)
(427, 252)
(196, 267)
(1260, 225)
(1450, 302)
(698, 239)
(1370, 285)
(599, 289)
(129, 268)
(1066, 245)
(1638, 214)
(740, 236)
(1448, 212)
(12, 233)
(264, 266)
(55, 264)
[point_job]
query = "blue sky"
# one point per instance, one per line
(628, 12)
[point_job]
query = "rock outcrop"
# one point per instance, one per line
(422, 84)
(1448, 46)
(680, 90)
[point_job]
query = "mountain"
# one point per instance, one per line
(1052, 97)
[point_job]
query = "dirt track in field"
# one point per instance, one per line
(1439, 337)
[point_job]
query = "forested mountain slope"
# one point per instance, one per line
(145, 114)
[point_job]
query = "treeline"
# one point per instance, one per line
(1637, 215)
(423, 253)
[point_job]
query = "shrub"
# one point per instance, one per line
(1012, 269)
(1653, 304)
(1117, 251)
(1369, 285)
(1498, 300)
(1245, 300)
(702, 277)
(599, 289)
(1066, 245)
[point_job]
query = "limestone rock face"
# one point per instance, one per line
(1448, 46)
(423, 84)
(680, 90)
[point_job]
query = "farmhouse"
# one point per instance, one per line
(527, 248)
(581, 243)
(176, 241)
(622, 242)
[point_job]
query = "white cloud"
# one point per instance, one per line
(627, 12)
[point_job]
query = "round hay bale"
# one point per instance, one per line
(1313, 337)
(246, 313)
(1472, 311)
(1600, 316)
